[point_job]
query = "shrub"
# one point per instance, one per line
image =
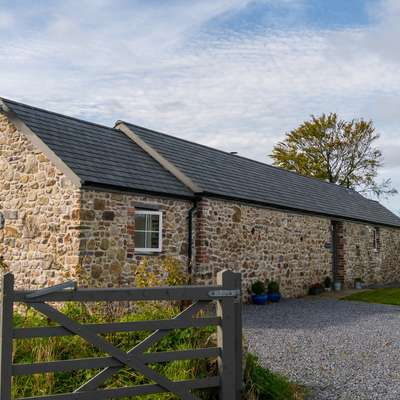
(175, 275)
(258, 288)
(169, 273)
(315, 289)
(328, 282)
(273, 287)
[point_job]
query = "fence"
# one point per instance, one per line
(228, 321)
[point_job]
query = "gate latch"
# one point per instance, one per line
(225, 293)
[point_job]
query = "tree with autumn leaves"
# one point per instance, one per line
(336, 151)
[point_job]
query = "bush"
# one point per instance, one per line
(258, 288)
(273, 287)
(328, 282)
(168, 273)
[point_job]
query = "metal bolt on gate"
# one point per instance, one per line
(228, 321)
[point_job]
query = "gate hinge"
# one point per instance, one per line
(225, 293)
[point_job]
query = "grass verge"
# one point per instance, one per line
(381, 296)
(262, 384)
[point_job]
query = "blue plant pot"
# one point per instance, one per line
(274, 297)
(259, 299)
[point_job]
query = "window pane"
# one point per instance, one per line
(154, 239)
(140, 222)
(147, 231)
(154, 222)
(140, 242)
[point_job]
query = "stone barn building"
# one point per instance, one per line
(81, 199)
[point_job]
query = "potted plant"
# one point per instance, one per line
(258, 296)
(328, 283)
(338, 286)
(273, 292)
(359, 283)
(315, 289)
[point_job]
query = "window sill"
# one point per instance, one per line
(148, 253)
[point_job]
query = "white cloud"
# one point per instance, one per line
(7, 20)
(236, 91)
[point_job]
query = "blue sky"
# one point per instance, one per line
(314, 14)
(233, 74)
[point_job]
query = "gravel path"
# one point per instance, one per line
(340, 350)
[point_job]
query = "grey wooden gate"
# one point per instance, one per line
(228, 321)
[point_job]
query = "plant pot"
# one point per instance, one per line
(259, 299)
(274, 297)
(359, 285)
(315, 291)
(338, 286)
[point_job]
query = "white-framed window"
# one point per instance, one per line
(148, 231)
(376, 238)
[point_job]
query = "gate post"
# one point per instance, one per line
(230, 337)
(6, 335)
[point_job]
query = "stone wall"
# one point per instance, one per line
(54, 230)
(262, 244)
(107, 253)
(40, 239)
(362, 260)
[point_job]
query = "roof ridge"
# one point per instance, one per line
(56, 113)
(243, 157)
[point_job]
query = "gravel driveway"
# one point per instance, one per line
(338, 349)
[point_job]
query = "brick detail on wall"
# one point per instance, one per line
(201, 239)
(340, 251)
(262, 244)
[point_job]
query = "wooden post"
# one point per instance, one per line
(6, 338)
(230, 337)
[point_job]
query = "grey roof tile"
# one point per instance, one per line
(105, 156)
(98, 154)
(224, 174)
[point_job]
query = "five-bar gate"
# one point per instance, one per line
(228, 321)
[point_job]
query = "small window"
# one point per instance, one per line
(148, 231)
(376, 239)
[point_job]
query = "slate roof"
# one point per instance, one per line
(98, 154)
(101, 155)
(232, 176)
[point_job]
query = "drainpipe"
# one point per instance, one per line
(190, 238)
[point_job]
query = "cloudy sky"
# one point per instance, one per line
(234, 74)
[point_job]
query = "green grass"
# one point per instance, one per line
(262, 384)
(381, 296)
